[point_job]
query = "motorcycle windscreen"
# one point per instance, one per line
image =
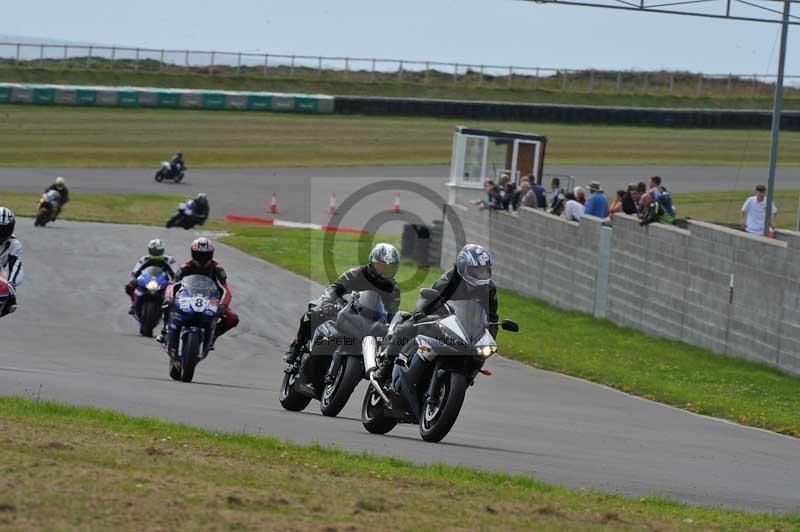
(52, 196)
(471, 316)
(199, 286)
(198, 294)
(371, 306)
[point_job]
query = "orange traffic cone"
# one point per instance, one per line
(332, 204)
(397, 203)
(273, 204)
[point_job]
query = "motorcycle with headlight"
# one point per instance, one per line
(148, 297)
(49, 206)
(195, 312)
(332, 363)
(453, 356)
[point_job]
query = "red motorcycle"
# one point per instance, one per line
(5, 295)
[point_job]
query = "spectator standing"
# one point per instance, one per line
(630, 201)
(575, 207)
(754, 211)
(539, 192)
(617, 206)
(598, 202)
(556, 198)
(525, 197)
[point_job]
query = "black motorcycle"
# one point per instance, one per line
(332, 364)
(445, 364)
(186, 216)
(170, 172)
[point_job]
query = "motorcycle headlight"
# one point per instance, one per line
(152, 286)
(486, 351)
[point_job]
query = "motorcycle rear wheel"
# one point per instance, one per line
(291, 399)
(373, 415)
(191, 351)
(335, 395)
(440, 412)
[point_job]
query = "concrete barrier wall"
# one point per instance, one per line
(718, 288)
(158, 97)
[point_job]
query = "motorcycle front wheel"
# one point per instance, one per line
(291, 399)
(42, 217)
(172, 222)
(159, 176)
(150, 314)
(336, 394)
(191, 353)
(440, 411)
(373, 414)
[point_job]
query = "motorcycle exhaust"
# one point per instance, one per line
(369, 350)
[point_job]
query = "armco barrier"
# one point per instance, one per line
(706, 118)
(711, 286)
(157, 97)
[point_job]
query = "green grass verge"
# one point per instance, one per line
(442, 86)
(66, 467)
(551, 338)
(59, 137)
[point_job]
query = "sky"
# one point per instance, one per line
(499, 32)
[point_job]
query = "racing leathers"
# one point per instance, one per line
(328, 304)
(11, 268)
(177, 163)
(146, 261)
(64, 198)
(215, 271)
(450, 287)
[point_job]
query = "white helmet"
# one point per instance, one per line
(7, 223)
(384, 260)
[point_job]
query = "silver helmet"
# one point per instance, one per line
(384, 260)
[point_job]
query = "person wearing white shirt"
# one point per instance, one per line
(576, 205)
(754, 210)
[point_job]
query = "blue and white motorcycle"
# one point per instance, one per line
(148, 298)
(196, 309)
(186, 216)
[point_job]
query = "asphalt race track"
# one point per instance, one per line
(303, 193)
(73, 341)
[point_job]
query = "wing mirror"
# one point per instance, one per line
(428, 293)
(510, 325)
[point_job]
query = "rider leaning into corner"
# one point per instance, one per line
(203, 263)
(10, 257)
(155, 257)
(59, 186)
(378, 275)
(177, 162)
(470, 278)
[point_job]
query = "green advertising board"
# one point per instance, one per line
(5, 94)
(43, 96)
(305, 104)
(128, 98)
(213, 100)
(85, 97)
(168, 99)
(257, 102)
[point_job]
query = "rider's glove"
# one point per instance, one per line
(330, 308)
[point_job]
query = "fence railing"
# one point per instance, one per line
(359, 69)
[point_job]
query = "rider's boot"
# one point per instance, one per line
(293, 354)
(162, 336)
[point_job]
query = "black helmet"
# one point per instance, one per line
(384, 260)
(202, 251)
(179, 155)
(201, 198)
(156, 248)
(7, 223)
(474, 265)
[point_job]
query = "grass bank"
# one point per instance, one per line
(62, 137)
(439, 85)
(67, 467)
(551, 338)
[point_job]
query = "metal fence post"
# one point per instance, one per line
(671, 83)
(372, 72)
(136, 60)
(645, 82)
(41, 55)
(753, 87)
(730, 81)
(400, 72)
(455, 73)
(211, 65)
(186, 62)
(563, 81)
(536, 80)
(699, 89)
(480, 76)
(346, 66)
(64, 62)
(319, 66)
(619, 83)
(18, 53)
(291, 68)
(89, 58)
(239, 63)
(510, 75)
(266, 63)
(591, 81)
(427, 72)
(113, 56)
(160, 65)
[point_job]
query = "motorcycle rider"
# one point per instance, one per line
(378, 274)
(59, 186)
(203, 263)
(470, 278)
(155, 257)
(200, 207)
(177, 164)
(10, 257)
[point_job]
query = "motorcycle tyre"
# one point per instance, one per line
(346, 381)
(455, 389)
